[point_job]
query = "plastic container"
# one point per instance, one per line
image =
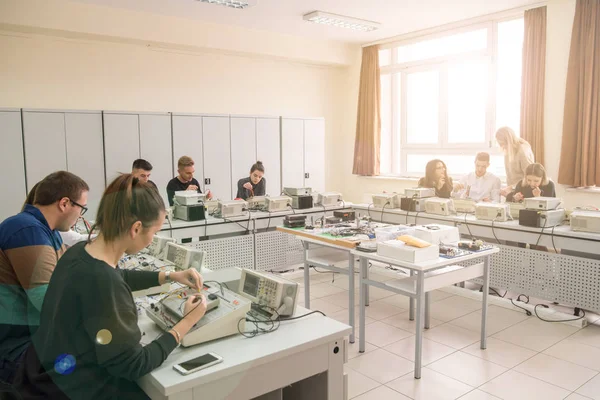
(392, 232)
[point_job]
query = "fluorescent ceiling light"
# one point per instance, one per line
(241, 4)
(341, 21)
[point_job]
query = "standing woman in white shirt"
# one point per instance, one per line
(479, 185)
(517, 157)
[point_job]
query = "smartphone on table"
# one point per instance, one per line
(198, 363)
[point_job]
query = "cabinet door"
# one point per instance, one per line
(292, 152)
(217, 159)
(243, 149)
(121, 143)
(187, 141)
(314, 154)
(269, 152)
(12, 164)
(85, 156)
(45, 150)
(155, 147)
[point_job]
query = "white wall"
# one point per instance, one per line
(558, 42)
(270, 74)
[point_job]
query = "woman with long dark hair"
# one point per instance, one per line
(436, 176)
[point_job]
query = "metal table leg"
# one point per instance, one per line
(306, 276)
(351, 294)
(484, 308)
(364, 266)
(420, 321)
(411, 303)
(427, 314)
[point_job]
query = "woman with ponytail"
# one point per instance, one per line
(254, 185)
(87, 345)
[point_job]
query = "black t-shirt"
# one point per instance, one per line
(175, 185)
(89, 316)
(548, 190)
(445, 192)
(259, 189)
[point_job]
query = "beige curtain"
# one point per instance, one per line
(368, 120)
(533, 81)
(580, 151)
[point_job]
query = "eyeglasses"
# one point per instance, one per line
(83, 208)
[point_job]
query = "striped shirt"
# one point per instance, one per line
(29, 251)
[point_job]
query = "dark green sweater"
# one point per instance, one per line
(87, 298)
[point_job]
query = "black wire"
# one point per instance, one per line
(294, 211)
(221, 284)
(369, 210)
(269, 223)
(386, 204)
(416, 216)
(541, 232)
(302, 316)
(495, 291)
(552, 235)
(555, 320)
(248, 224)
(324, 215)
(522, 308)
(494, 232)
(469, 228)
(235, 222)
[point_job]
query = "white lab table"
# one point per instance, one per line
(425, 277)
(309, 354)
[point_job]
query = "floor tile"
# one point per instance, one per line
(498, 319)
(397, 300)
(382, 393)
(379, 310)
(499, 352)
(381, 365)
(589, 335)
(343, 281)
(353, 349)
(513, 385)
(438, 295)
(468, 369)
(453, 307)
(536, 334)
(557, 372)
(323, 306)
(403, 322)
(575, 396)
(431, 386)
(432, 351)
(340, 299)
(591, 389)
(323, 289)
(577, 353)
(359, 384)
(452, 336)
(344, 316)
(478, 395)
(381, 334)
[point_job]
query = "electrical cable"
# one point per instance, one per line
(416, 216)
(493, 231)
(302, 316)
(552, 236)
(555, 320)
(368, 210)
(541, 232)
(382, 209)
(294, 211)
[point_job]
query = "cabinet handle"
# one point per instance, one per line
(307, 175)
(206, 181)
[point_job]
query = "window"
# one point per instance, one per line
(444, 96)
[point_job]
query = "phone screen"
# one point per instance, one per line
(198, 362)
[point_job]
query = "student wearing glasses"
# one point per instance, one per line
(30, 247)
(436, 176)
(87, 345)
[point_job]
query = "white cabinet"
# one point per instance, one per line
(243, 149)
(217, 156)
(155, 147)
(45, 150)
(314, 154)
(85, 155)
(268, 151)
(187, 141)
(303, 153)
(12, 164)
(292, 152)
(121, 143)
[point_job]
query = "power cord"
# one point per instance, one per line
(294, 211)
(555, 320)
(383, 208)
(369, 210)
(493, 231)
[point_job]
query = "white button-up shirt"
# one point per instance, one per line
(478, 188)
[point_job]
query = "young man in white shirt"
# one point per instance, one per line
(479, 185)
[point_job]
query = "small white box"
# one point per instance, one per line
(542, 203)
(439, 206)
(398, 250)
(419, 193)
(437, 234)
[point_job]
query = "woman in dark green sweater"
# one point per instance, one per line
(88, 343)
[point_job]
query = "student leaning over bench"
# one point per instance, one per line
(30, 247)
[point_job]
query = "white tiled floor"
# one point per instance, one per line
(525, 358)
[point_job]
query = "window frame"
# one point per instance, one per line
(400, 148)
